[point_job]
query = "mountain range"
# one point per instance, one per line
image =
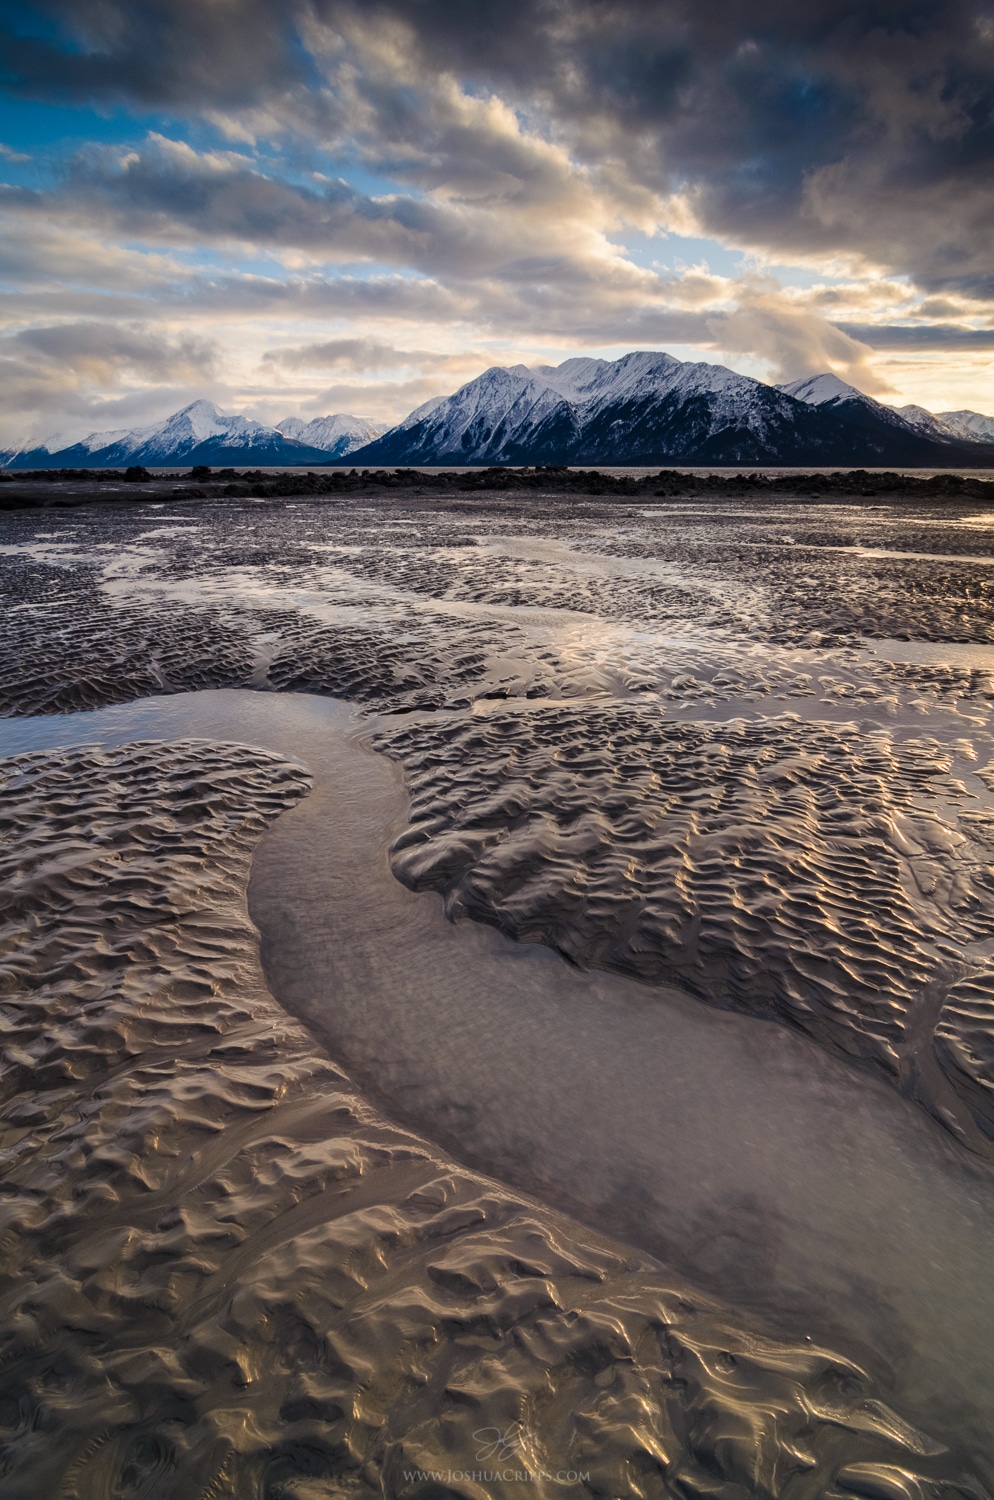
(649, 408)
(200, 434)
(645, 408)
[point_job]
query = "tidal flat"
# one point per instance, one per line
(497, 989)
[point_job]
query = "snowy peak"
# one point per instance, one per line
(824, 390)
(947, 426)
(829, 393)
(588, 385)
(927, 422)
(186, 428)
(586, 381)
(498, 408)
(91, 444)
(583, 378)
(202, 418)
(200, 421)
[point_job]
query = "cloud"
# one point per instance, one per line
(155, 52)
(919, 336)
(95, 350)
(166, 193)
(384, 297)
(45, 254)
(49, 373)
(793, 339)
(806, 129)
(801, 129)
(379, 166)
(359, 354)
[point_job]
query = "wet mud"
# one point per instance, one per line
(837, 879)
(226, 1274)
(701, 743)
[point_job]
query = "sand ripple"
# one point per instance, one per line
(434, 602)
(225, 1275)
(809, 872)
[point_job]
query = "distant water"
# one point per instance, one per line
(636, 471)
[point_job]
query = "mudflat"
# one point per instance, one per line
(609, 1102)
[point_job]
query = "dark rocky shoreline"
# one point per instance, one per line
(59, 488)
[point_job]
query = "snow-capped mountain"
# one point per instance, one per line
(419, 413)
(645, 408)
(500, 416)
(649, 408)
(928, 423)
(199, 434)
(971, 425)
(828, 391)
(824, 390)
(336, 436)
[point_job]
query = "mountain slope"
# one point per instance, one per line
(931, 425)
(830, 394)
(649, 408)
(503, 416)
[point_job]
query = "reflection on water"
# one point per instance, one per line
(973, 656)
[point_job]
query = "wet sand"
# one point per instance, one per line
(226, 1274)
(669, 747)
(819, 1204)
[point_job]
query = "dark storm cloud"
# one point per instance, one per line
(861, 127)
(798, 128)
(920, 336)
(160, 52)
(236, 52)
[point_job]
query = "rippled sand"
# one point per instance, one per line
(415, 603)
(225, 1274)
(666, 743)
(838, 879)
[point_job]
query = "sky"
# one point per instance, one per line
(298, 207)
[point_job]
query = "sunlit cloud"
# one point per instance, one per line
(399, 194)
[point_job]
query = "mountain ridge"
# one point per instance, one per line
(649, 408)
(200, 434)
(336, 435)
(646, 408)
